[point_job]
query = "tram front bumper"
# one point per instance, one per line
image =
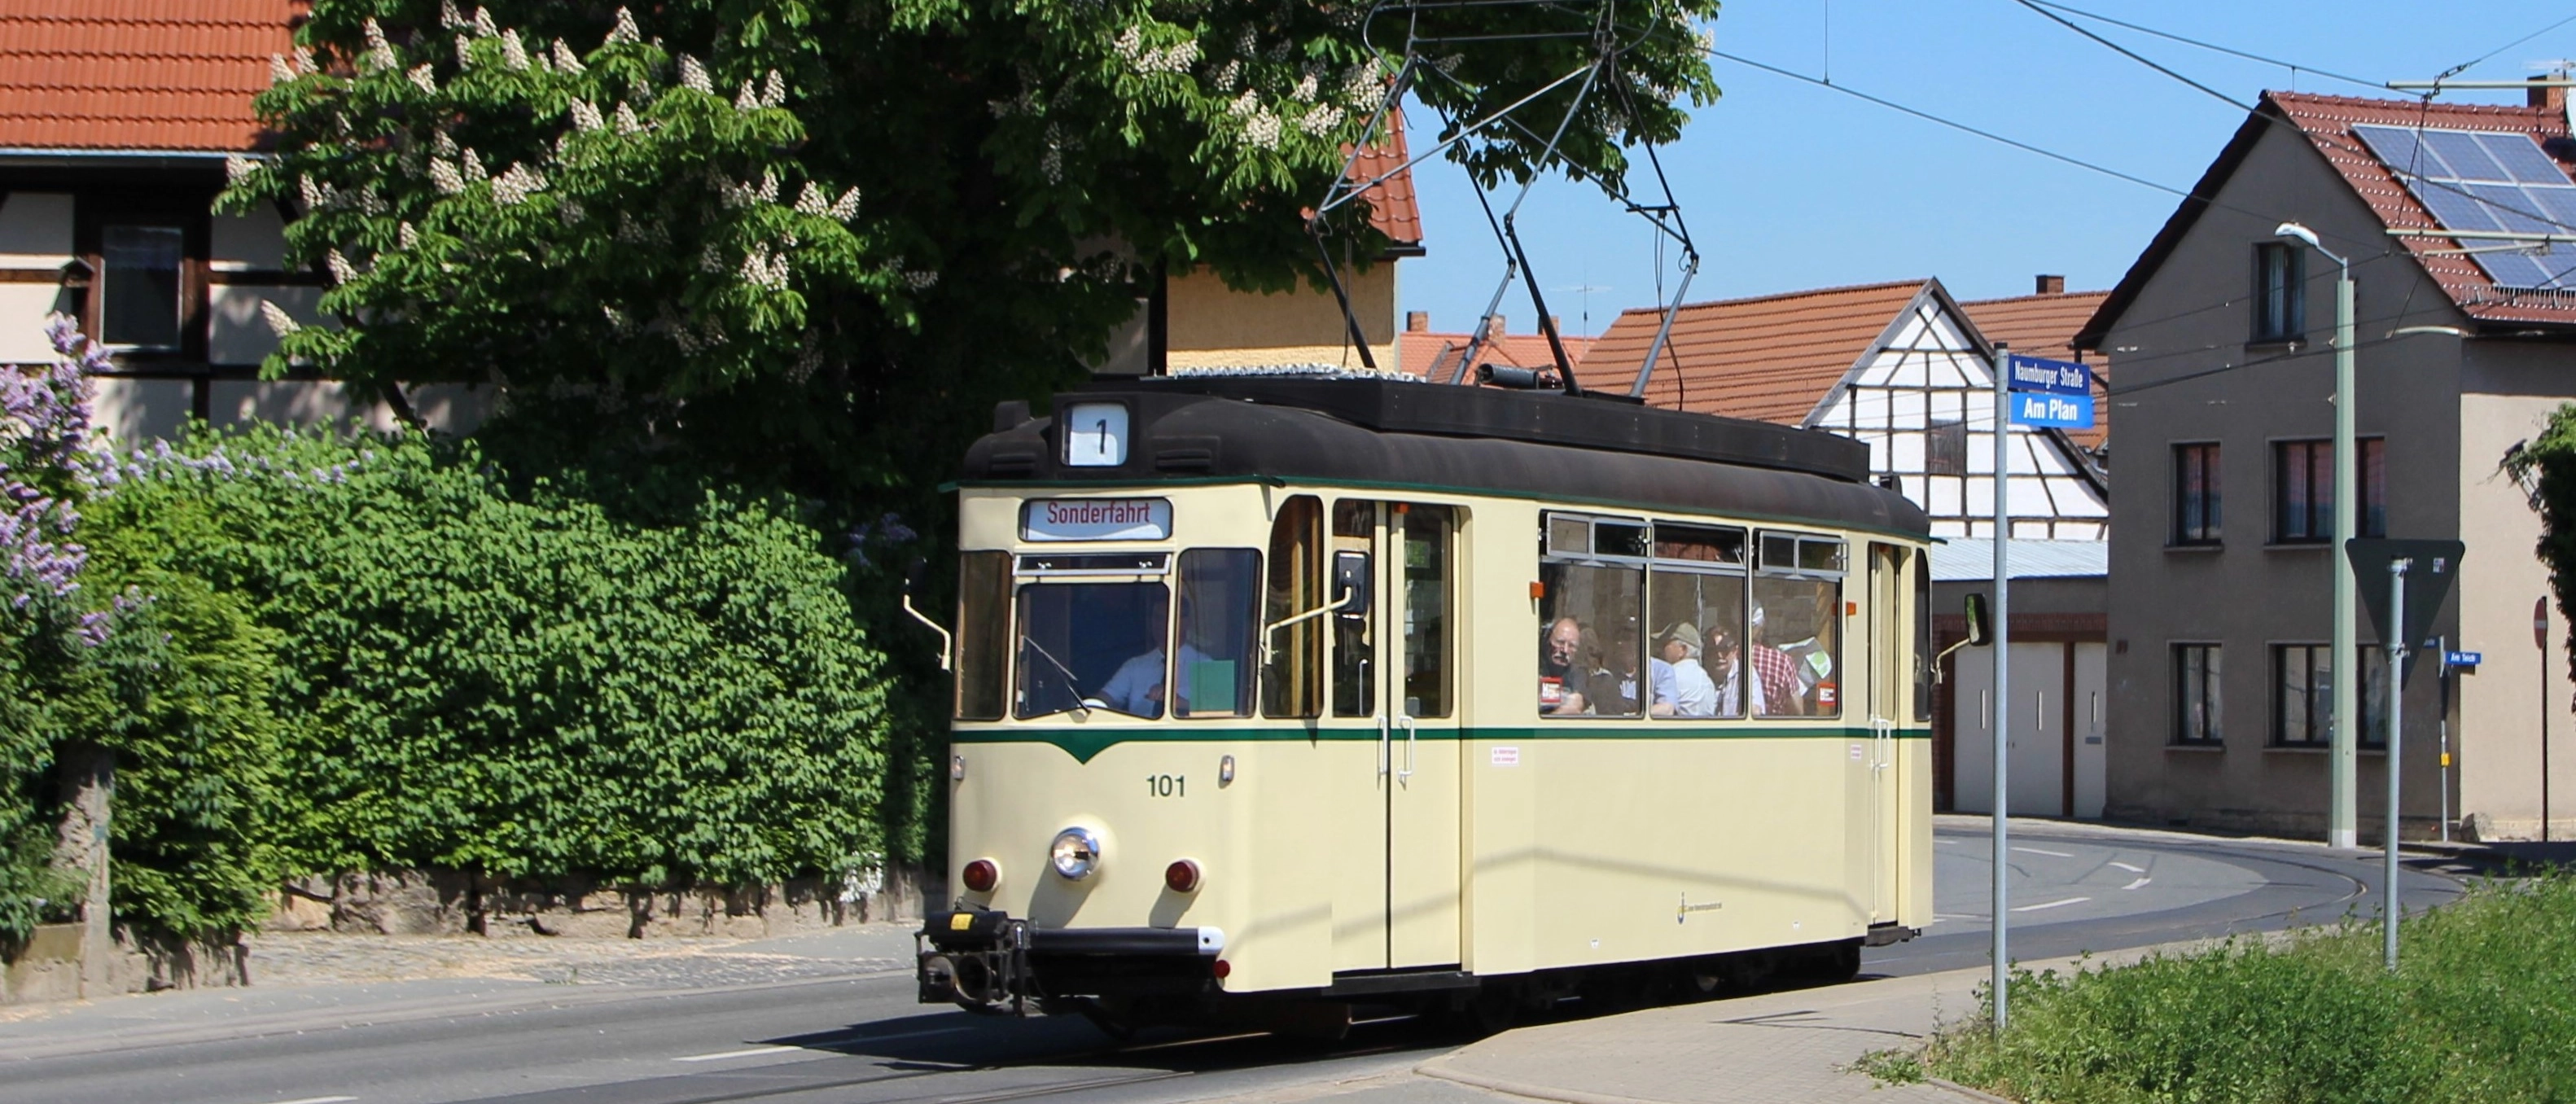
(986, 959)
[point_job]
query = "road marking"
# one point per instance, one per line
(721, 1055)
(2136, 884)
(2050, 854)
(2129, 868)
(319, 1100)
(2053, 904)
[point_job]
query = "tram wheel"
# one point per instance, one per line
(1491, 1010)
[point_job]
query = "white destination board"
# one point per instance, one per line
(1096, 519)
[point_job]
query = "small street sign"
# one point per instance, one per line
(2057, 377)
(2050, 410)
(2463, 659)
(2435, 565)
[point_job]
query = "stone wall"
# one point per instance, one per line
(51, 966)
(417, 902)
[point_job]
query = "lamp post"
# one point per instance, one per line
(2342, 820)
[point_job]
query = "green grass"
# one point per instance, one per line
(2483, 1008)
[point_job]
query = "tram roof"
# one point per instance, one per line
(1397, 433)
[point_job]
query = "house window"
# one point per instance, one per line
(139, 305)
(2303, 695)
(1945, 448)
(2196, 697)
(2303, 491)
(2280, 283)
(2196, 496)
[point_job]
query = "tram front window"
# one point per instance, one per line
(1093, 646)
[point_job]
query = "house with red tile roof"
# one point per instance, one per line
(1196, 321)
(1901, 365)
(1436, 355)
(2222, 690)
(115, 119)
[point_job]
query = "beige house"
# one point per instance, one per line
(2220, 612)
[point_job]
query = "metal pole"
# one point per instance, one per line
(2540, 636)
(2343, 758)
(2003, 659)
(2396, 729)
(2443, 777)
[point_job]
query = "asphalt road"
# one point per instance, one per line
(863, 1040)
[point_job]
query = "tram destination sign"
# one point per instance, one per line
(1096, 519)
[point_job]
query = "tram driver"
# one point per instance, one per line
(1137, 689)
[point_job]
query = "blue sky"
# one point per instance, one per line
(1788, 186)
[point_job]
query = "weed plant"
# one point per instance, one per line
(2483, 1007)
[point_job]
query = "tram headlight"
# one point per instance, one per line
(1076, 853)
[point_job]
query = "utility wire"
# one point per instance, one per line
(2472, 63)
(2133, 55)
(2376, 86)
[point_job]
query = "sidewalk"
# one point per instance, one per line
(1794, 1047)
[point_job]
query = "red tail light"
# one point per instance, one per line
(1182, 876)
(1221, 969)
(981, 876)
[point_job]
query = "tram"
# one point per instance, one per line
(1280, 694)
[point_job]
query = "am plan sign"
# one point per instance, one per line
(1096, 519)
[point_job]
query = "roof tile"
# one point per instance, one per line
(1770, 358)
(138, 74)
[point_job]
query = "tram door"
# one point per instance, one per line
(1395, 671)
(1890, 699)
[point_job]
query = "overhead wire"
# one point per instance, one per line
(2230, 51)
(2481, 59)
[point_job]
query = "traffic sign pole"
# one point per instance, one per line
(2003, 663)
(2540, 639)
(2397, 643)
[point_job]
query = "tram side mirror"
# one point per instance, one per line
(1351, 582)
(1981, 626)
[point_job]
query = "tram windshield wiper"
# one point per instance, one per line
(1081, 701)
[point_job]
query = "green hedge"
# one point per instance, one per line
(388, 652)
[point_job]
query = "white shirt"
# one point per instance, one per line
(1131, 690)
(1694, 693)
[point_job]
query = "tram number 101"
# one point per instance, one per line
(1167, 785)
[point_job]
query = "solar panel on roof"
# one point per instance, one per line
(2488, 181)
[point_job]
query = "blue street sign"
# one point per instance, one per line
(2462, 659)
(2052, 410)
(2055, 377)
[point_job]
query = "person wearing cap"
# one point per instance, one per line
(1775, 673)
(1694, 693)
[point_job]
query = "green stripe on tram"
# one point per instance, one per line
(1085, 743)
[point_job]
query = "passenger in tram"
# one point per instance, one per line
(1776, 675)
(1725, 662)
(1694, 693)
(1658, 690)
(1564, 670)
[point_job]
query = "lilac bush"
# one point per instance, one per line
(44, 434)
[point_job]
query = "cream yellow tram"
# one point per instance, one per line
(1302, 692)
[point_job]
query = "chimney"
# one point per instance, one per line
(1494, 326)
(1417, 321)
(2052, 285)
(2551, 97)
(1556, 322)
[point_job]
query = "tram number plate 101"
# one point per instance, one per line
(1167, 785)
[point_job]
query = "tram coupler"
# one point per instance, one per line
(977, 959)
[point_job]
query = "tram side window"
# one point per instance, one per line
(983, 634)
(1093, 645)
(1213, 675)
(1698, 646)
(1292, 683)
(1794, 648)
(1354, 648)
(1590, 652)
(1426, 611)
(1922, 638)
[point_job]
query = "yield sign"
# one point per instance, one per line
(2432, 567)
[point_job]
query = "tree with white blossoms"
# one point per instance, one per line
(824, 238)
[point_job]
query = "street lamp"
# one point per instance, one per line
(2341, 816)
